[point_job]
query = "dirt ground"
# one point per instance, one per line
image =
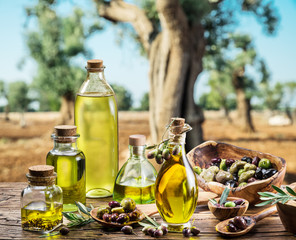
(24, 147)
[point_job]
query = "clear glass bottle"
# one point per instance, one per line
(176, 190)
(96, 121)
(69, 164)
(41, 200)
(136, 178)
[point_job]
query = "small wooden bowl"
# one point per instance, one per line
(287, 213)
(223, 213)
(94, 212)
(201, 156)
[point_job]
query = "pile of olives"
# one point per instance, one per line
(162, 153)
(187, 231)
(155, 232)
(237, 173)
(238, 223)
(120, 213)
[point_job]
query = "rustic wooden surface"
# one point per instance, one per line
(10, 222)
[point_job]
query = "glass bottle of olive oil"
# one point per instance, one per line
(136, 178)
(69, 163)
(176, 189)
(41, 200)
(96, 121)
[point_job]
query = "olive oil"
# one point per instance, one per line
(176, 190)
(70, 170)
(37, 216)
(141, 195)
(96, 121)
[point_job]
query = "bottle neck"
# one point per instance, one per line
(177, 138)
(137, 152)
(96, 76)
(58, 146)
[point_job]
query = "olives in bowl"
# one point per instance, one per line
(231, 208)
(118, 214)
(225, 158)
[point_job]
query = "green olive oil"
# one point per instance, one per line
(141, 195)
(96, 121)
(37, 216)
(70, 170)
(176, 190)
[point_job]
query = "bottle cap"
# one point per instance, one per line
(65, 130)
(94, 65)
(177, 125)
(137, 140)
(41, 171)
(41, 175)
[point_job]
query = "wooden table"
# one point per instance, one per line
(10, 222)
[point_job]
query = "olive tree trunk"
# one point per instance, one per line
(67, 110)
(175, 58)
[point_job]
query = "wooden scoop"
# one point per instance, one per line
(221, 227)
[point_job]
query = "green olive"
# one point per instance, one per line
(245, 176)
(242, 184)
(117, 210)
(197, 169)
(223, 176)
(209, 174)
(264, 163)
(240, 171)
(101, 211)
(229, 204)
(250, 166)
(236, 166)
(128, 204)
(223, 165)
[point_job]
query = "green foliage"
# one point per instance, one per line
(144, 102)
(123, 96)
(53, 46)
(18, 96)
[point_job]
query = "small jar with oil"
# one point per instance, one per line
(41, 200)
(136, 178)
(176, 189)
(69, 164)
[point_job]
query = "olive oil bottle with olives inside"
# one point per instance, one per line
(136, 178)
(69, 164)
(96, 121)
(176, 189)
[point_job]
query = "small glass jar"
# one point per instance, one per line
(41, 200)
(136, 178)
(69, 164)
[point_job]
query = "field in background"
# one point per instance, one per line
(23, 147)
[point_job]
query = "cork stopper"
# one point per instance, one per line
(94, 65)
(177, 125)
(41, 171)
(65, 130)
(41, 175)
(137, 140)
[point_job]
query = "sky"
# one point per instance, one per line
(123, 63)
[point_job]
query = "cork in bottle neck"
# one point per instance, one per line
(95, 65)
(65, 133)
(137, 140)
(177, 125)
(41, 175)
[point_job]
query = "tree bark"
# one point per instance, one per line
(243, 102)
(67, 110)
(175, 57)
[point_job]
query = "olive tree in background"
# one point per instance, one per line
(123, 97)
(56, 42)
(4, 94)
(175, 35)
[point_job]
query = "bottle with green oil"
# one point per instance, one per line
(42, 200)
(136, 178)
(176, 189)
(96, 121)
(69, 163)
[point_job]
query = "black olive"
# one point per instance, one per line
(247, 159)
(64, 230)
(216, 160)
(195, 231)
(122, 218)
(114, 217)
(270, 172)
(157, 233)
(163, 229)
(258, 173)
(127, 229)
(247, 219)
(240, 222)
(107, 217)
(256, 160)
(231, 228)
(235, 177)
(114, 204)
(229, 162)
(186, 232)
(151, 231)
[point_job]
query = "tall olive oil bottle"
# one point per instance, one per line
(176, 190)
(96, 121)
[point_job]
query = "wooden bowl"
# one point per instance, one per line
(287, 213)
(202, 155)
(223, 213)
(94, 212)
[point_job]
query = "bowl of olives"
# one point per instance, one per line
(219, 165)
(118, 214)
(230, 208)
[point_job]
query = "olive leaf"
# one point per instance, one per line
(151, 147)
(213, 201)
(82, 208)
(290, 190)
(224, 195)
(151, 220)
